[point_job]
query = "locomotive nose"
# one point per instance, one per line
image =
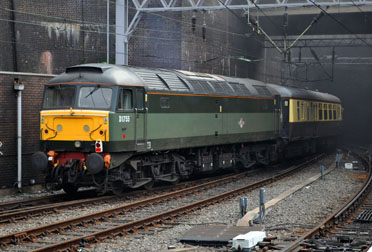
(39, 162)
(94, 163)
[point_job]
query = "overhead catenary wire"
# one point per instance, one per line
(315, 20)
(104, 24)
(341, 24)
(103, 32)
(365, 15)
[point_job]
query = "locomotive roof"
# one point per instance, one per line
(294, 92)
(179, 81)
(163, 80)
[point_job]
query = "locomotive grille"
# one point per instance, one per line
(217, 87)
(240, 88)
(262, 90)
(173, 81)
(201, 86)
(151, 80)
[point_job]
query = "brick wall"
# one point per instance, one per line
(53, 34)
(31, 103)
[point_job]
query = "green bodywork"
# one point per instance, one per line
(193, 121)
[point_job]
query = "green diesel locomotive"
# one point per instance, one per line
(118, 127)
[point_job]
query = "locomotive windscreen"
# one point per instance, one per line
(59, 96)
(89, 97)
(95, 97)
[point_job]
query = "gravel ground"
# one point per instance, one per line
(303, 209)
(65, 214)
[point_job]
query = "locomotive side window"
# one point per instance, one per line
(95, 97)
(125, 99)
(59, 96)
(164, 102)
(140, 97)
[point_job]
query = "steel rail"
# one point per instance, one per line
(32, 233)
(339, 215)
(16, 214)
(16, 204)
(148, 221)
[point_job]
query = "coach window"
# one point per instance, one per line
(325, 112)
(334, 112)
(140, 97)
(298, 111)
(307, 112)
(320, 111)
(302, 111)
(125, 99)
(330, 112)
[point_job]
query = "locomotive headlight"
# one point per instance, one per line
(59, 127)
(86, 128)
(77, 144)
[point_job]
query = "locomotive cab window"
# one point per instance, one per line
(125, 99)
(95, 97)
(140, 98)
(59, 96)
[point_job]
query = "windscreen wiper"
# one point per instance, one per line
(91, 92)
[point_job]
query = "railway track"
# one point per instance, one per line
(347, 229)
(23, 209)
(128, 218)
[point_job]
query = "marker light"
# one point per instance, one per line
(98, 145)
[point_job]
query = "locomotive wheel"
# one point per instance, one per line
(70, 188)
(118, 188)
(177, 180)
(149, 186)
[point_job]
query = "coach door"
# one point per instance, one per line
(218, 118)
(140, 112)
(277, 114)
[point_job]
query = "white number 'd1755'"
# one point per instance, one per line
(124, 119)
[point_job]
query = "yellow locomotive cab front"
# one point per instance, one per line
(72, 125)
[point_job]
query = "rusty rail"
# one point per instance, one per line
(141, 223)
(338, 216)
